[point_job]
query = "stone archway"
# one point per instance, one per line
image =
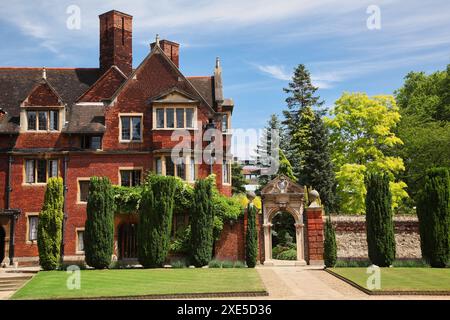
(281, 194)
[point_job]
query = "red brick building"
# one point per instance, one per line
(112, 121)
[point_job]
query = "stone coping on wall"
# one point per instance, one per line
(353, 223)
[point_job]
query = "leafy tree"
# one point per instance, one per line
(379, 223)
(318, 170)
(434, 217)
(329, 245)
(286, 167)
(251, 243)
(50, 225)
(424, 102)
(155, 220)
(302, 98)
(202, 219)
(99, 227)
(361, 138)
(238, 179)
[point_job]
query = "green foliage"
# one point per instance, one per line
(298, 117)
(226, 264)
(127, 199)
(425, 125)
(99, 227)
(362, 138)
(181, 241)
(202, 218)
(50, 225)
(318, 170)
(286, 167)
(410, 263)
(215, 263)
(352, 263)
(434, 217)
(155, 220)
(330, 246)
(290, 254)
(251, 239)
(379, 223)
(179, 264)
(238, 185)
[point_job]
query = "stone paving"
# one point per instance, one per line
(312, 283)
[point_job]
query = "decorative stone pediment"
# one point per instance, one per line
(282, 185)
(174, 95)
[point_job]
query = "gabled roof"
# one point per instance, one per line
(35, 97)
(158, 51)
(282, 184)
(178, 93)
(105, 86)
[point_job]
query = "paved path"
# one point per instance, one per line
(309, 283)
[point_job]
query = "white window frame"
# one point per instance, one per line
(228, 169)
(131, 115)
(141, 169)
(28, 216)
(77, 230)
(174, 107)
(47, 164)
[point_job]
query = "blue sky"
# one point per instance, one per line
(259, 42)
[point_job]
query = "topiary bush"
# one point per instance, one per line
(329, 245)
(251, 239)
(99, 228)
(202, 218)
(155, 220)
(50, 225)
(290, 254)
(379, 223)
(433, 210)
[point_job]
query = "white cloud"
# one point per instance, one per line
(275, 71)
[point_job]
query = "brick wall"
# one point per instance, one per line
(231, 245)
(314, 229)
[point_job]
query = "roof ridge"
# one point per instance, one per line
(48, 68)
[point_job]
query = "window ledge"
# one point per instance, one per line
(31, 242)
(37, 184)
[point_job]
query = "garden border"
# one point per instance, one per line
(387, 292)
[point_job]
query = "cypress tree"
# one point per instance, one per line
(433, 210)
(155, 220)
(50, 225)
(318, 169)
(251, 243)
(330, 247)
(202, 218)
(237, 178)
(99, 228)
(379, 224)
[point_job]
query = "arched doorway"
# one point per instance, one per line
(284, 245)
(282, 195)
(127, 241)
(2, 243)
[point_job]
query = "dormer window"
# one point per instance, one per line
(43, 120)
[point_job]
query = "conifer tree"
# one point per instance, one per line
(318, 169)
(330, 246)
(251, 243)
(433, 211)
(237, 178)
(99, 227)
(202, 218)
(155, 220)
(50, 225)
(379, 223)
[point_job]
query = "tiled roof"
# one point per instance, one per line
(205, 86)
(86, 119)
(17, 83)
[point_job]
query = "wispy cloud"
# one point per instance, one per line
(275, 71)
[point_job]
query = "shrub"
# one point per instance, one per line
(99, 228)
(410, 263)
(330, 246)
(290, 254)
(352, 263)
(239, 264)
(251, 240)
(433, 210)
(179, 264)
(181, 241)
(50, 225)
(215, 264)
(227, 264)
(202, 218)
(155, 220)
(379, 224)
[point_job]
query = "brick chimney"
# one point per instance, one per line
(171, 49)
(116, 41)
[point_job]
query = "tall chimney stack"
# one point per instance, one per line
(116, 41)
(171, 49)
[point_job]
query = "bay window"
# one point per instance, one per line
(174, 118)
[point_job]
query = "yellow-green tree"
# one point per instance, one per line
(362, 137)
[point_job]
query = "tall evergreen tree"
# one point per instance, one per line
(155, 220)
(379, 223)
(318, 169)
(50, 225)
(434, 217)
(329, 245)
(202, 218)
(251, 243)
(99, 227)
(302, 98)
(286, 167)
(237, 178)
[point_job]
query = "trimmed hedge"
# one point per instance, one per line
(251, 240)
(99, 227)
(330, 246)
(50, 225)
(433, 210)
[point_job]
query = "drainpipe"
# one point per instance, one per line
(63, 242)
(13, 216)
(8, 187)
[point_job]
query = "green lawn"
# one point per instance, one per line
(128, 282)
(402, 279)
